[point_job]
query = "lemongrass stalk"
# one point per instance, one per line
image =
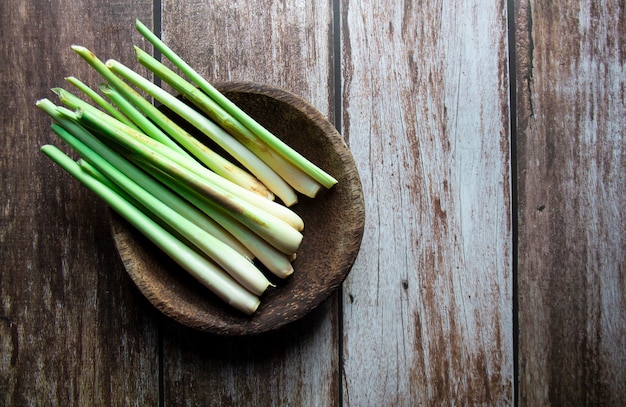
(145, 181)
(125, 135)
(273, 229)
(294, 176)
(205, 155)
(212, 160)
(277, 262)
(145, 127)
(293, 156)
(274, 260)
(177, 154)
(127, 91)
(155, 142)
(206, 272)
(93, 171)
(96, 174)
(193, 166)
(180, 205)
(139, 119)
(74, 102)
(240, 268)
(99, 100)
(231, 145)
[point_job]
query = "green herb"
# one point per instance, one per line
(289, 153)
(220, 136)
(205, 271)
(210, 215)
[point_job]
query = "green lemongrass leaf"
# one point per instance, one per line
(99, 100)
(74, 102)
(208, 157)
(60, 115)
(213, 228)
(275, 230)
(105, 120)
(294, 176)
(274, 260)
(126, 135)
(139, 119)
(211, 276)
(93, 171)
(140, 177)
(201, 152)
(231, 145)
(121, 86)
(240, 268)
(293, 156)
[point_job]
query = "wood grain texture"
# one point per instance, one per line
(427, 309)
(283, 44)
(572, 185)
(425, 109)
(73, 329)
(288, 45)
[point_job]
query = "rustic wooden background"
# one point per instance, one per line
(490, 141)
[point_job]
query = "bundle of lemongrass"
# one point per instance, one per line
(209, 215)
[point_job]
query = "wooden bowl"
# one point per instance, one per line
(334, 223)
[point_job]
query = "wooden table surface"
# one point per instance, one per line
(489, 137)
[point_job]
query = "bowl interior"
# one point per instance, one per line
(334, 223)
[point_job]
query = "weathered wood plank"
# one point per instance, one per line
(428, 315)
(285, 44)
(73, 330)
(572, 185)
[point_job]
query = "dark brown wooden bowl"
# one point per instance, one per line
(334, 223)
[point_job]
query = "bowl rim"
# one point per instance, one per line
(119, 227)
